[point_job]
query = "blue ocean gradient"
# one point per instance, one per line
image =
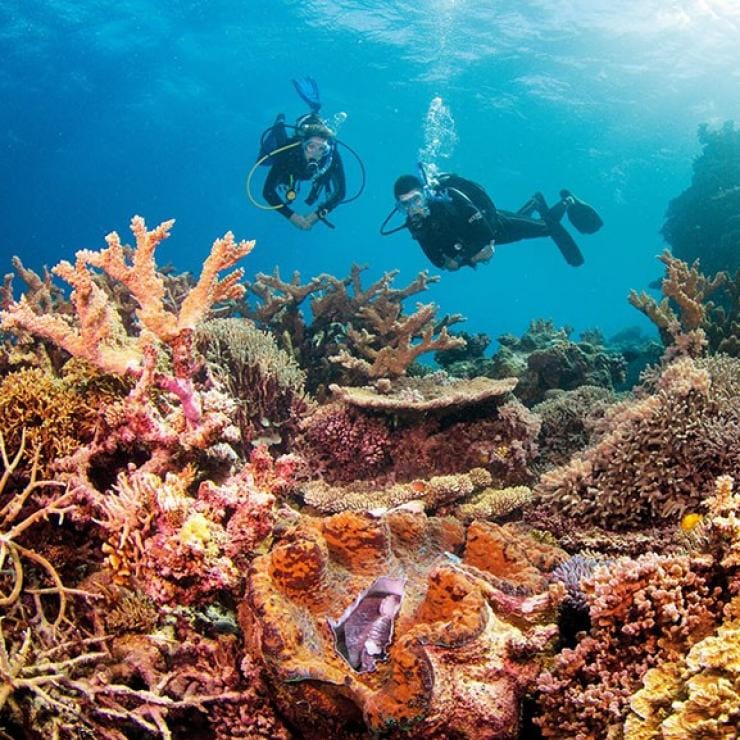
(110, 109)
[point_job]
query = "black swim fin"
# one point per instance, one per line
(566, 244)
(308, 89)
(582, 215)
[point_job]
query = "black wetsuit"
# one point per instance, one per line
(291, 168)
(463, 220)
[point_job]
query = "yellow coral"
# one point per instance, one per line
(56, 416)
(196, 534)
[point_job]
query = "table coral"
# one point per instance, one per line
(456, 665)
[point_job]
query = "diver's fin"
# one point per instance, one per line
(581, 214)
(566, 244)
(308, 89)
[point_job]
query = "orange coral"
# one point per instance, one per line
(100, 336)
(436, 679)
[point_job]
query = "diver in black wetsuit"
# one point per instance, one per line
(456, 223)
(310, 155)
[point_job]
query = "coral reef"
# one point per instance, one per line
(265, 381)
(355, 333)
(166, 339)
(568, 421)
(685, 332)
(545, 358)
(436, 677)
(433, 493)
(702, 222)
(657, 454)
(419, 427)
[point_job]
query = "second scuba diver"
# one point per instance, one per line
(310, 155)
(456, 223)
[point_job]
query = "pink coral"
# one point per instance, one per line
(345, 444)
(643, 612)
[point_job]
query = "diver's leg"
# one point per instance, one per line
(513, 228)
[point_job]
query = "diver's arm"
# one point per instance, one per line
(269, 191)
(339, 187)
(433, 252)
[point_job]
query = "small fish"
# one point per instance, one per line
(689, 522)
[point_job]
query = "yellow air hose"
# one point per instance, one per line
(254, 168)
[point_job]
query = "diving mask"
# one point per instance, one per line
(316, 148)
(413, 204)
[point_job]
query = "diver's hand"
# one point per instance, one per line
(451, 264)
(311, 219)
(300, 222)
(484, 255)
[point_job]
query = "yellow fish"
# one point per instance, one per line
(691, 521)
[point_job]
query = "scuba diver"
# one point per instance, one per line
(456, 223)
(312, 155)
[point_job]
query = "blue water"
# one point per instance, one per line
(110, 109)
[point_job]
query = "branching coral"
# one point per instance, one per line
(643, 612)
(658, 454)
(99, 336)
(355, 332)
(684, 286)
(15, 520)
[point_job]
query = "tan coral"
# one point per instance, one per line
(417, 396)
(696, 698)
(439, 490)
(494, 502)
(455, 666)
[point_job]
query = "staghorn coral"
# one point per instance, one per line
(350, 323)
(20, 511)
(98, 335)
(265, 380)
(390, 345)
(684, 286)
(453, 624)
(656, 454)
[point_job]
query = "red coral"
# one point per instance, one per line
(643, 612)
(345, 444)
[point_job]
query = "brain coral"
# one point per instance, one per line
(457, 663)
(657, 454)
